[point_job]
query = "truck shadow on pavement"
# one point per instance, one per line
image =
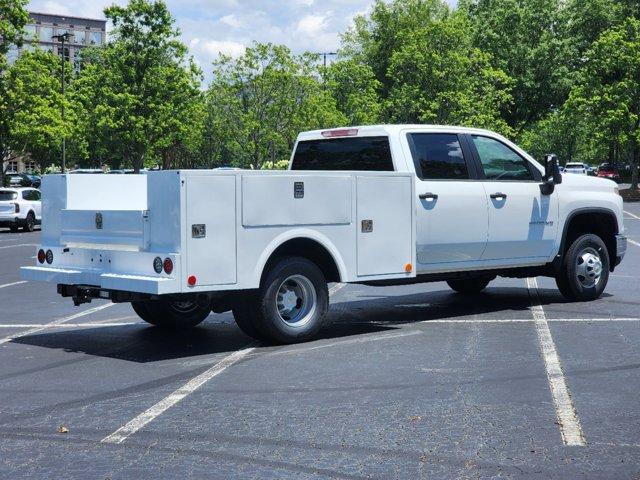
(364, 314)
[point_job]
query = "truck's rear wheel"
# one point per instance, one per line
(469, 286)
(290, 305)
(171, 313)
(585, 269)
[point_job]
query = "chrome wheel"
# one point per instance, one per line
(588, 267)
(296, 300)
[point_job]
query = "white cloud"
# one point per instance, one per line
(311, 24)
(231, 20)
(213, 48)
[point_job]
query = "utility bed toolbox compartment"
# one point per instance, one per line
(218, 229)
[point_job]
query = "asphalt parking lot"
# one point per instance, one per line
(405, 382)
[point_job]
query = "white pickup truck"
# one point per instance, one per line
(378, 205)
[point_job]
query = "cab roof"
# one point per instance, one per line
(384, 130)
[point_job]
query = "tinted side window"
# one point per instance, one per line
(438, 156)
(7, 195)
(355, 153)
(26, 194)
(499, 161)
(36, 195)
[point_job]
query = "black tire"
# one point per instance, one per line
(13, 228)
(469, 286)
(172, 314)
(299, 316)
(244, 312)
(585, 269)
(29, 223)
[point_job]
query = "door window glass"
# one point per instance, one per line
(499, 161)
(438, 156)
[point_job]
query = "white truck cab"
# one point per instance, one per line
(380, 205)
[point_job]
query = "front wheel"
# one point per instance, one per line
(585, 269)
(172, 313)
(290, 305)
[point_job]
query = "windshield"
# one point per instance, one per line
(7, 195)
(575, 165)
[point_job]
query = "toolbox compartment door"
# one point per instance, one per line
(211, 229)
(385, 208)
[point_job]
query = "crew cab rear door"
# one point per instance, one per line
(523, 222)
(452, 213)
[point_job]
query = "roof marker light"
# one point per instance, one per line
(345, 132)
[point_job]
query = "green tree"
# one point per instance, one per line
(257, 104)
(13, 18)
(437, 76)
(526, 39)
(355, 88)
(34, 99)
(608, 91)
(138, 97)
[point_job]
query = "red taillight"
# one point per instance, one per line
(17, 205)
(41, 256)
(191, 280)
(168, 266)
(345, 132)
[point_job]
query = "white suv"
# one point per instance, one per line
(20, 207)
(575, 167)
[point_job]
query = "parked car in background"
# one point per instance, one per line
(608, 170)
(20, 207)
(20, 180)
(35, 180)
(576, 167)
(86, 170)
(124, 171)
(591, 171)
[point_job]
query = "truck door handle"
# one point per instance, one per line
(428, 196)
(498, 196)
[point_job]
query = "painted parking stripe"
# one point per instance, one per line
(54, 323)
(530, 320)
(336, 288)
(163, 405)
(46, 326)
(19, 245)
(568, 421)
(12, 284)
(633, 242)
(632, 215)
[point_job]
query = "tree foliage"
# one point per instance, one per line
(259, 102)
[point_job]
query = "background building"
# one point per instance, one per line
(38, 34)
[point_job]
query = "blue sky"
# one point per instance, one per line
(229, 26)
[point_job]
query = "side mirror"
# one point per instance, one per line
(552, 175)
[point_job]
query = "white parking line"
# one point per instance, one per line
(69, 325)
(568, 421)
(338, 286)
(20, 245)
(163, 405)
(530, 320)
(633, 242)
(346, 342)
(632, 215)
(55, 323)
(12, 284)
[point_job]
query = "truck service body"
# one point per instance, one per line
(377, 204)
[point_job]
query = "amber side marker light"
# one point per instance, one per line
(408, 268)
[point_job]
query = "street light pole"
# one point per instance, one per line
(64, 37)
(325, 55)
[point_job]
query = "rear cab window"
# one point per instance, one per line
(349, 153)
(6, 195)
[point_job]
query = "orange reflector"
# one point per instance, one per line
(191, 280)
(408, 268)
